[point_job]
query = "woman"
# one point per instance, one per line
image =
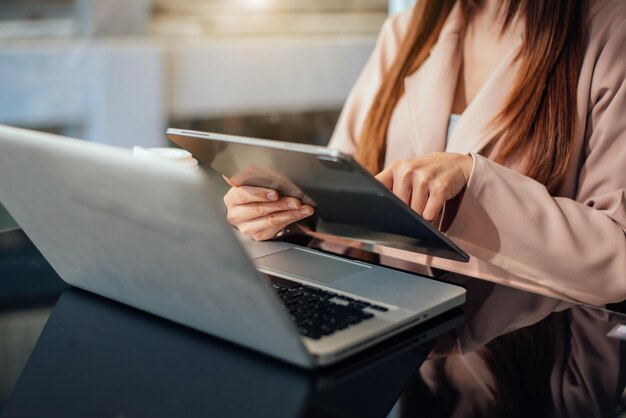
(531, 181)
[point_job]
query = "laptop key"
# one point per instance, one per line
(308, 333)
(366, 315)
(355, 305)
(326, 330)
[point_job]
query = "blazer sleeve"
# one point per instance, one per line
(361, 97)
(574, 247)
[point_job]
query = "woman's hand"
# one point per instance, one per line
(427, 182)
(261, 213)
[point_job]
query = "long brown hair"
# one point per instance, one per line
(539, 115)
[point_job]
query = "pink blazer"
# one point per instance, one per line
(571, 245)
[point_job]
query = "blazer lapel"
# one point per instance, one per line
(430, 90)
(472, 132)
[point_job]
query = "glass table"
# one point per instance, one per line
(65, 352)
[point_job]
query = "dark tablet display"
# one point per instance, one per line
(348, 200)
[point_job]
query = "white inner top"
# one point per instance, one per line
(454, 119)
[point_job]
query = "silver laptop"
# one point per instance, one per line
(152, 235)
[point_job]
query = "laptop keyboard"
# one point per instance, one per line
(319, 313)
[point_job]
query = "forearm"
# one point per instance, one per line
(512, 222)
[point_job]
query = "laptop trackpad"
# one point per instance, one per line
(309, 265)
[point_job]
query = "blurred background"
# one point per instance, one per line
(121, 71)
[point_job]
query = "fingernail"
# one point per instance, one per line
(293, 204)
(271, 195)
(306, 211)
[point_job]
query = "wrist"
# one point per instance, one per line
(467, 166)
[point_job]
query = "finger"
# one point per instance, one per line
(386, 177)
(267, 227)
(419, 197)
(434, 205)
(284, 218)
(249, 194)
(402, 187)
(242, 213)
(230, 182)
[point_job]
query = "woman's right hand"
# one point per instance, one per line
(261, 213)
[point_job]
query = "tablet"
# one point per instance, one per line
(348, 200)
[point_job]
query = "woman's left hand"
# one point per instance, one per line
(427, 182)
